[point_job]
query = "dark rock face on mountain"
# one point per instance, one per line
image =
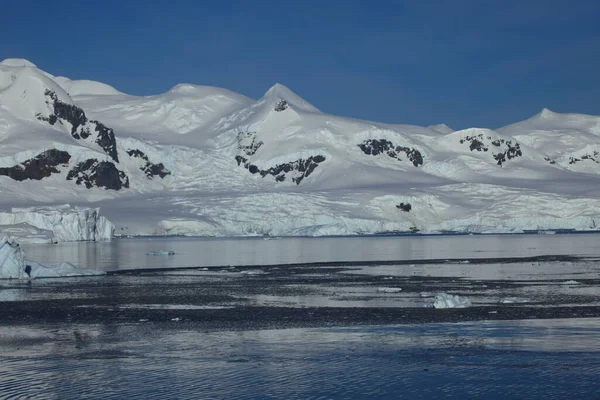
(281, 105)
(150, 169)
(300, 168)
(248, 143)
(375, 147)
(594, 157)
(39, 167)
(505, 148)
(106, 140)
(81, 127)
(94, 173)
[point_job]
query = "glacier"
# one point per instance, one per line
(201, 160)
(51, 224)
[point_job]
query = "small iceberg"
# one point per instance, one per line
(389, 289)
(161, 253)
(571, 283)
(445, 300)
(253, 272)
(511, 300)
(14, 265)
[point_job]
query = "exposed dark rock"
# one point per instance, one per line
(67, 112)
(94, 173)
(594, 158)
(406, 207)
(304, 167)
(375, 147)
(106, 140)
(150, 169)
(281, 105)
(80, 126)
(549, 160)
(511, 151)
(137, 153)
(39, 167)
(247, 143)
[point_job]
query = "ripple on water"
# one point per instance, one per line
(534, 359)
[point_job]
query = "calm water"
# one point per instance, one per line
(527, 359)
(193, 252)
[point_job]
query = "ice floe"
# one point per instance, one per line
(445, 300)
(389, 290)
(161, 253)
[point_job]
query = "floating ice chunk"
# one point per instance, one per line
(510, 300)
(13, 265)
(445, 300)
(571, 283)
(389, 289)
(12, 260)
(253, 272)
(161, 253)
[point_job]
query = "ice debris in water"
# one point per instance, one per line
(389, 289)
(161, 253)
(571, 283)
(445, 300)
(253, 272)
(510, 300)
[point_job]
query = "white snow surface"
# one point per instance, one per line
(196, 132)
(13, 265)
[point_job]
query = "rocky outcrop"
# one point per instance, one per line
(81, 127)
(247, 143)
(39, 167)
(150, 169)
(299, 169)
(594, 157)
(94, 173)
(503, 150)
(375, 147)
(281, 105)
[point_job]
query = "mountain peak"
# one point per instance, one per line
(17, 62)
(279, 92)
(441, 128)
(546, 113)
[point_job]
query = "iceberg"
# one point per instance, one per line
(14, 265)
(445, 300)
(12, 260)
(512, 300)
(161, 253)
(389, 290)
(63, 223)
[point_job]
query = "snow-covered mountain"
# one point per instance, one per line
(207, 161)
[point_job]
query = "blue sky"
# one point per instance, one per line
(483, 63)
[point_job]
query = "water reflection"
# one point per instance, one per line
(524, 359)
(192, 252)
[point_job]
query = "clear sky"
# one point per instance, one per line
(466, 63)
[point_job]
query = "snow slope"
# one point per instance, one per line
(200, 160)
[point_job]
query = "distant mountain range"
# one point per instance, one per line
(201, 160)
